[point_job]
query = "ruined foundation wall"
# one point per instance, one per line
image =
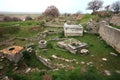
(110, 35)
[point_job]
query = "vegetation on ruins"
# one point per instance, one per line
(101, 60)
(97, 47)
(28, 18)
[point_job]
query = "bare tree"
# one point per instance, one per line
(51, 11)
(95, 5)
(107, 7)
(116, 6)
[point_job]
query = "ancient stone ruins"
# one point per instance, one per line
(74, 46)
(12, 53)
(73, 30)
(106, 32)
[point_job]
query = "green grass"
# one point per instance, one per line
(25, 28)
(97, 47)
(31, 60)
(85, 19)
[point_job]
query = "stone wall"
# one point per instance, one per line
(53, 24)
(110, 35)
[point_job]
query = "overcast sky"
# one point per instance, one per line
(64, 6)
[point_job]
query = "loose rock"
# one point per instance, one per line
(104, 59)
(107, 72)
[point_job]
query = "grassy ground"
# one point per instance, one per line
(97, 47)
(26, 31)
(24, 26)
(85, 19)
(23, 15)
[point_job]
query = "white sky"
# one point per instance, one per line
(64, 6)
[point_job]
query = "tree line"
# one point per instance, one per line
(95, 5)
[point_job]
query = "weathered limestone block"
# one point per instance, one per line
(13, 53)
(61, 44)
(73, 30)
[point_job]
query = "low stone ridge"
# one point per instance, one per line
(51, 24)
(46, 62)
(8, 42)
(63, 59)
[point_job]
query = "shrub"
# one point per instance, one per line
(59, 75)
(47, 77)
(28, 18)
(16, 76)
(7, 18)
(92, 74)
(16, 19)
(51, 11)
(42, 23)
(61, 35)
(49, 44)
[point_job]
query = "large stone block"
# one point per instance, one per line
(13, 53)
(73, 30)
